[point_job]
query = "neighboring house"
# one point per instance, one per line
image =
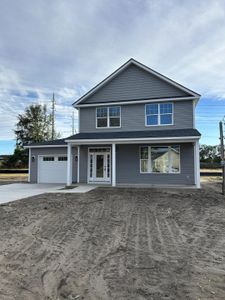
(136, 127)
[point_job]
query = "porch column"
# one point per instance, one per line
(29, 165)
(69, 165)
(197, 164)
(113, 164)
(78, 164)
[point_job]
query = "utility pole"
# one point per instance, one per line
(222, 155)
(73, 131)
(53, 116)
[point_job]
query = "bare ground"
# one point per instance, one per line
(114, 244)
(12, 178)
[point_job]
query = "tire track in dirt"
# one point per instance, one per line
(149, 233)
(159, 234)
(116, 244)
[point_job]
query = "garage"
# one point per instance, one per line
(52, 168)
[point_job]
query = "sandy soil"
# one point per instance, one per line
(12, 178)
(114, 244)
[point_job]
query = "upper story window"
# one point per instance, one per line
(158, 114)
(107, 117)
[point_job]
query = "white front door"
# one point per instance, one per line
(99, 165)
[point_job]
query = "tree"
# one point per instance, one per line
(19, 159)
(209, 153)
(33, 126)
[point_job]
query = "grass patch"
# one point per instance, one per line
(13, 177)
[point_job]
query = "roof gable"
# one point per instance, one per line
(132, 82)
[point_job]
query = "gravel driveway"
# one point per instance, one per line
(114, 244)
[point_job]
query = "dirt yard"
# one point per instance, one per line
(110, 243)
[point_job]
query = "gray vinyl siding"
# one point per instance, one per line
(128, 166)
(133, 118)
(134, 83)
(50, 151)
(83, 163)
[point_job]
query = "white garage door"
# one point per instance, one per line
(52, 169)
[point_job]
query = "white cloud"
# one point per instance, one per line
(66, 47)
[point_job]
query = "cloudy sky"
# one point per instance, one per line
(68, 46)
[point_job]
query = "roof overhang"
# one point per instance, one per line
(45, 146)
(137, 101)
(188, 139)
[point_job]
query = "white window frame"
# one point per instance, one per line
(107, 117)
(90, 179)
(150, 160)
(159, 118)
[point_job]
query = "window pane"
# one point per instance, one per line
(166, 108)
(108, 165)
(102, 122)
(152, 109)
(91, 165)
(160, 159)
(166, 119)
(144, 152)
(114, 122)
(144, 165)
(114, 111)
(102, 112)
(99, 150)
(48, 158)
(62, 158)
(152, 120)
(175, 159)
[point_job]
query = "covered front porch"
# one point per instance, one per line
(120, 162)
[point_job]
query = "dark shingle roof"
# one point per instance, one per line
(122, 135)
(136, 134)
(59, 142)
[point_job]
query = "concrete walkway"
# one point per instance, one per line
(16, 191)
(81, 188)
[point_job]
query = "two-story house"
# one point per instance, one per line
(136, 127)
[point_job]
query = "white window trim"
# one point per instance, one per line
(108, 118)
(159, 119)
(150, 161)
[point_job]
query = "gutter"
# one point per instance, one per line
(134, 140)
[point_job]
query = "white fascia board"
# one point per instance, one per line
(135, 141)
(140, 65)
(46, 146)
(136, 102)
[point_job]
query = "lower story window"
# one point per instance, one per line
(162, 159)
(62, 158)
(48, 158)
